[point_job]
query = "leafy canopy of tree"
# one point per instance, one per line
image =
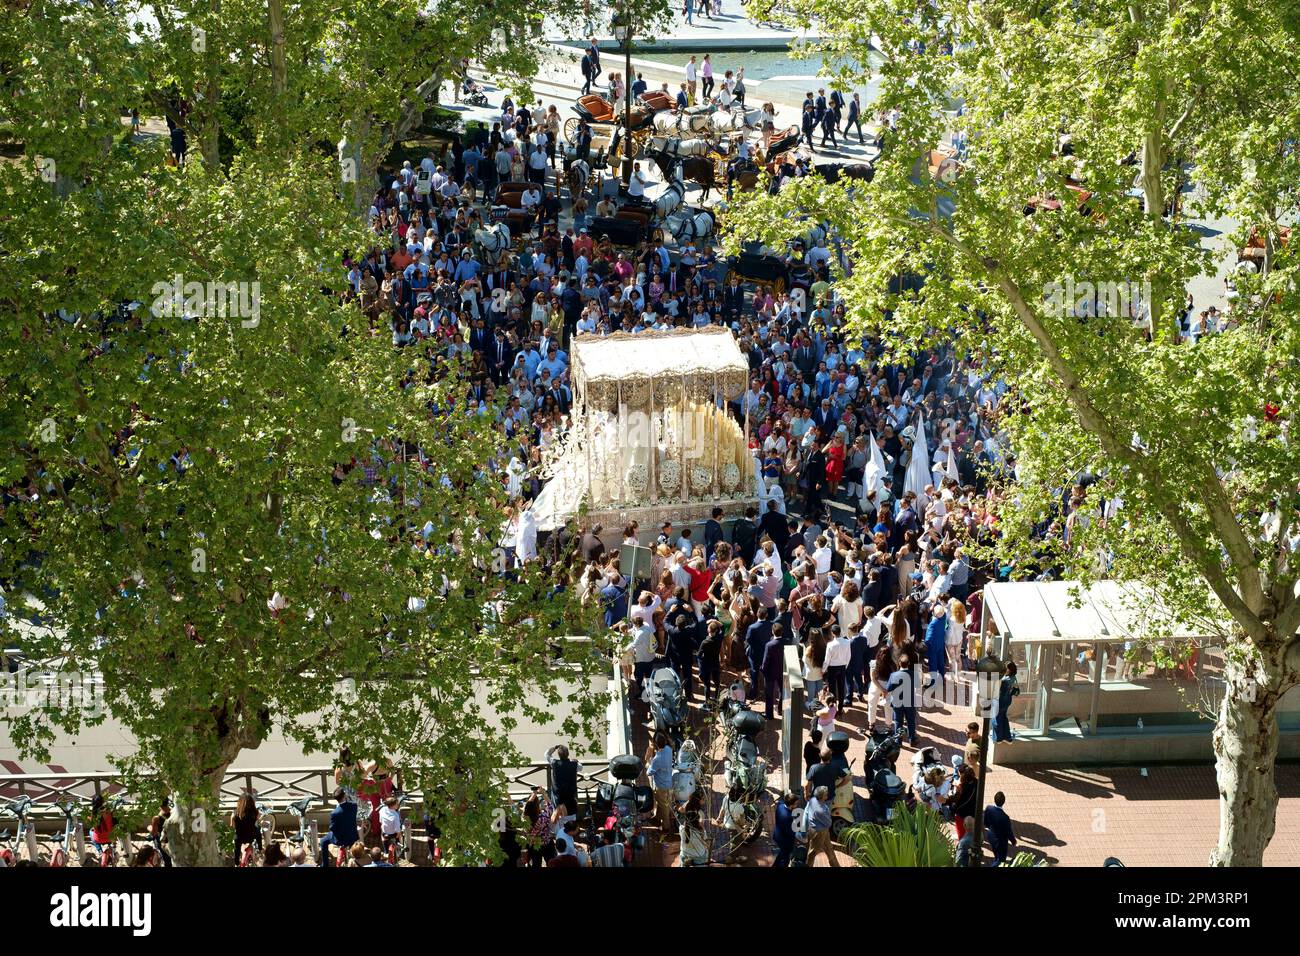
(161, 577)
(1199, 443)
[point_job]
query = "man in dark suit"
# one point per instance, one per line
(501, 356)
(814, 474)
(773, 668)
(480, 337)
(998, 826)
(744, 534)
(756, 638)
(733, 298)
(773, 524)
(592, 546)
(825, 419)
(713, 532)
(804, 357)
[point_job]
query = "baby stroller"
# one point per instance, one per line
(668, 704)
(931, 782)
(473, 94)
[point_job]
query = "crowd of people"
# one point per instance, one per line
(868, 574)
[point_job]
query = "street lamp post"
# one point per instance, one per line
(623, 32)
(986, 669)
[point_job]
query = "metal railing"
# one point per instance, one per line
(278, 787)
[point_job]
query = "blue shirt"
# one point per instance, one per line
(660, 770)
(783, 828)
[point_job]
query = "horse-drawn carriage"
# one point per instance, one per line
(606, 122)
(507, 207)
(775, 145)
(757, 264)
(631, 225)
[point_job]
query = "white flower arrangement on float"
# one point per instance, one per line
(730, 478)
(701, 479)
(670, 477)
(637, 479)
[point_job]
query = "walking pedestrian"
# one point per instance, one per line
(855, 118)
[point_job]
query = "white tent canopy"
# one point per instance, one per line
(1066, 612)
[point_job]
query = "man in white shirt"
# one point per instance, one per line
(390, 821)
(838, 655)
(531, 198)
(643, 653)
(636, 185)
(822, 560)
(537, 162)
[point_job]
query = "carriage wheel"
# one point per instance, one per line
(778, 286)
(730, 274)
(571, 129)
(639, 139)
(657, 234)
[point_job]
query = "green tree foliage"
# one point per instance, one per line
(1171, 112)
(393, 632)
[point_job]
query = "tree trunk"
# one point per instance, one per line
(191, 828)
(1245, 749)
(275, 23)
(209, 132)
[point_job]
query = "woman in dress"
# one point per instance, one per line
(835, 452)
(847, 608)
(956, 633)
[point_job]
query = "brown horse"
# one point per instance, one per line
(696, 169)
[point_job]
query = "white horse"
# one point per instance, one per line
(699, 122)
(727, 121)
(666, 121)
(693, 225)
(493, 240)
(680, 147)
(670, 200)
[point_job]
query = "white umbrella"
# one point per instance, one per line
(873, 473)
(918, 469)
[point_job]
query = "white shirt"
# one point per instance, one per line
(643, 644)
(390, 820)
(847, 613)
(837, 652)
(636, 185)
(872, 629)
(822, 560)
(690, 72)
